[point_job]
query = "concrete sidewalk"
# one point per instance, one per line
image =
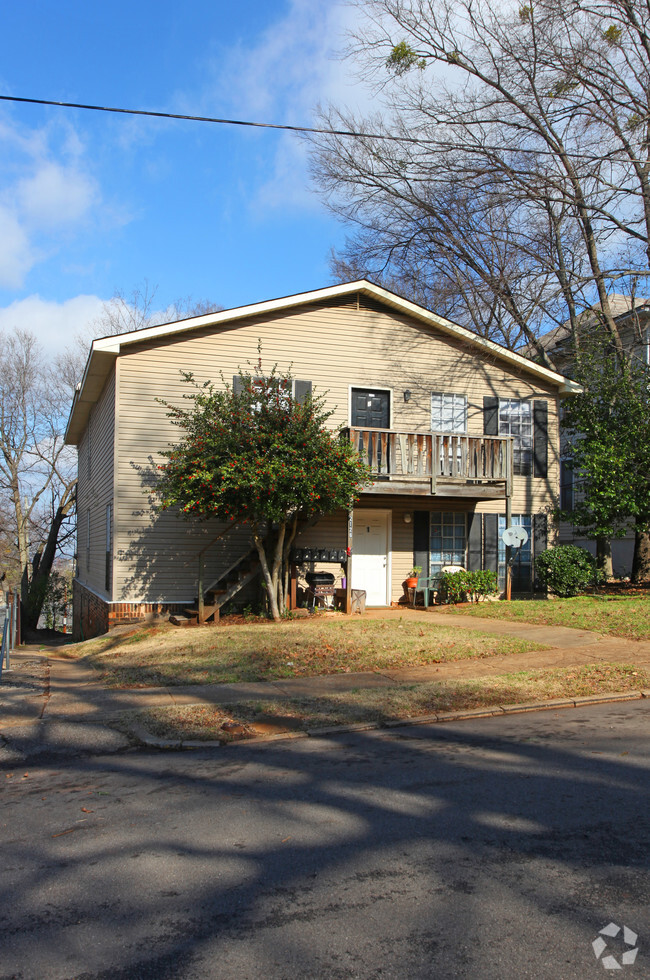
(54, 703)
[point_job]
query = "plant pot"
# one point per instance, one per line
(411, 583)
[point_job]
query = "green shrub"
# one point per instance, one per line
(567, 570)
(481, 583)
(467, 586)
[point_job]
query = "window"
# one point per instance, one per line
(88, 446)
(109, 546)
(448, 413)
(447, 540)
(522, 566)
(298, 390)
(259, 385)
(516, 420)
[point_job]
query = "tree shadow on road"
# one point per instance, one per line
(464, 850)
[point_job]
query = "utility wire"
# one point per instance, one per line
(296, 129)
(212, 119)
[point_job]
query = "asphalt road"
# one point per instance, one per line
(491, 849)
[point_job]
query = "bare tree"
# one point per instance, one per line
(516, 162)
(36, 469)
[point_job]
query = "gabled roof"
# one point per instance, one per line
(104, 351)
(620, 305)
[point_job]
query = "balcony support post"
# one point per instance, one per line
(509, 480)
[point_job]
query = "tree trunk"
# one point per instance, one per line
(604, 556)
(271, 572)
(289, 539)
(270, 596)
(32, 598)
(641, 560)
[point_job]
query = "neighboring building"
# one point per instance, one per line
(459, 432)
(632, 318)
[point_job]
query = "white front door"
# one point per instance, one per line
(370, 570)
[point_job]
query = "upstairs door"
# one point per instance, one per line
(370, 565)
(370, 409)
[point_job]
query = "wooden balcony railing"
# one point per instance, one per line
(413, 456)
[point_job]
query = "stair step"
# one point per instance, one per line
(207, 612)
(178, 620)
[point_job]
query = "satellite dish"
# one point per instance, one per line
(515, 536)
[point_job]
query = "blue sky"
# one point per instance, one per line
(92, 202)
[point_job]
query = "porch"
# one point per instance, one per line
(435, 463)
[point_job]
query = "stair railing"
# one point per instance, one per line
(200, 555)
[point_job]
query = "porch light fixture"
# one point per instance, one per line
(407, 395)
(408, 518)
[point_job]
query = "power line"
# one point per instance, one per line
(323, 131)
(212, 119)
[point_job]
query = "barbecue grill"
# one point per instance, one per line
(321, 585)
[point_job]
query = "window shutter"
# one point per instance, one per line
(491, 539)
(540, 543)
(540, 438)
(421, 540)
(474, 542)
(490, 416)
(237, 385)
(303, 390)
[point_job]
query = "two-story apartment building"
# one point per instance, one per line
(462, 436)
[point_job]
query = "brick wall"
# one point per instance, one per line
(94, 615)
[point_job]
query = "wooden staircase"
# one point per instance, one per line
(220, 591)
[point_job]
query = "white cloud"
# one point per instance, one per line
(288, 71)
(45, 190)
(16, 253)
(55, 324)
(55, 196)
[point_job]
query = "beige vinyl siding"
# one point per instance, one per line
(334, 347)
(95, 489)
(331, 532)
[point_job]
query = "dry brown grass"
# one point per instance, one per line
(206, 722)
(164, 655)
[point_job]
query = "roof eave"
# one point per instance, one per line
(105, 350)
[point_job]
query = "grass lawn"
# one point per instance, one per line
(250, 718)
(165, 655)
(617, 615)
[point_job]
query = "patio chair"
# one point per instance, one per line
(427, 584)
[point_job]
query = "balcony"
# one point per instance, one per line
(440, 463)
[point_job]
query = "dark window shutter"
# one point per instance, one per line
(490, 416)
(303, 391)
(474, 542)
(491, 539)
(540, 543)
(421, 540)
(237, 385)
(540, 438)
